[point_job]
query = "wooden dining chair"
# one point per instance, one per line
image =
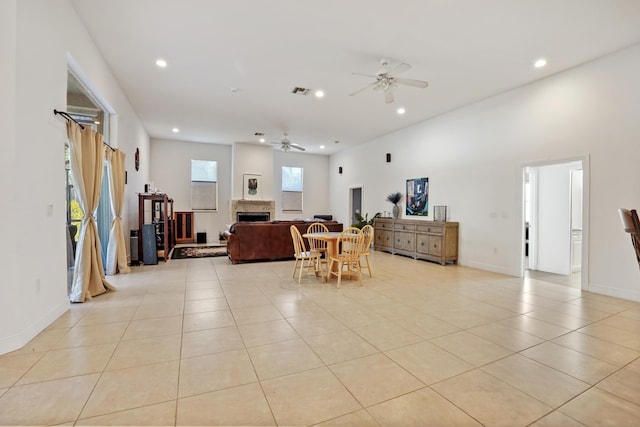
(318, 245)
(301, 255)
(367, 232)
(349, 246)
(631, 225)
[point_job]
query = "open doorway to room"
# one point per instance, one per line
(84, 107)
(355, 197)
(554, 208)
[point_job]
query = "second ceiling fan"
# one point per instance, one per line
(286, 144)
(387, 80)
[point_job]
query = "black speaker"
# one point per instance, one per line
(149, 245)
(340, 170)
(388, 157)
(201, 237)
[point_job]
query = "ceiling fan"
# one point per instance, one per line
(387, 80)
(286, 144)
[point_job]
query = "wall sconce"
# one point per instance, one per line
(340, 170)
(388, 157)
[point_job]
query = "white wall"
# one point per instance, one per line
(10, 315)
(252, 159)
(171, 173)
(473, 157)
(41, 38)
(315, 196)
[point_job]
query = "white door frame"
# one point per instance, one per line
(584, 276)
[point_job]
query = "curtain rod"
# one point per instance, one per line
(68, 117)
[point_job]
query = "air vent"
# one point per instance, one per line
(300, 91)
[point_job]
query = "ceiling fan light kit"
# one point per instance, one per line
(386, 80)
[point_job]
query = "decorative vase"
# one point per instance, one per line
(396, 211)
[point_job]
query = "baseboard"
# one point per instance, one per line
(627, 294)
(19, 340)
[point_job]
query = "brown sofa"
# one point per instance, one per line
(266, 240)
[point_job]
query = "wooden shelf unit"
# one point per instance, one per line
(157, 209)
(428, 240)
(184, 222)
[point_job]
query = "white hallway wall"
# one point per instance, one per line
(38, 37)
(473, 157)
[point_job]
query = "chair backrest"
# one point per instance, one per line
(317, 227)
(350, 243)
(631, 224)
(367, 231)
(317, 244)
(298, 243)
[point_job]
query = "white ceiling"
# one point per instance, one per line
(467, 50)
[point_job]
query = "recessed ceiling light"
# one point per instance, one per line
(175, 130)
(401, 111)
(540, 63)
(262, 140)
(319, 94)
(322, 147)
(161, 63)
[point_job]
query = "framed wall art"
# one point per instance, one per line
(252, 186)
(417, 196)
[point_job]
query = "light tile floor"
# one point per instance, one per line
(204, 342)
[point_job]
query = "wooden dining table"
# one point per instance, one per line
(331, 237)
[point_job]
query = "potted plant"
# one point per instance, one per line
(395, 199)
(364, 220)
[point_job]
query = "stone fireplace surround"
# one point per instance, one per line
(252, 206)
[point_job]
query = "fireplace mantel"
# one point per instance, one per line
(243, 205)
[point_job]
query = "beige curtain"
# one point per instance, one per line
(116, 249)
(86, 154)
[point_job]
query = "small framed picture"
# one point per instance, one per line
(440, 213)
(252, 186)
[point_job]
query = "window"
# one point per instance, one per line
(291, 189)
(204, 185)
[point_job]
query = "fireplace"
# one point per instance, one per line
(253, 207)
(252, 216)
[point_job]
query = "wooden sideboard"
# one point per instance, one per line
(428, 240)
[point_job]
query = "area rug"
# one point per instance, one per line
(198, 252)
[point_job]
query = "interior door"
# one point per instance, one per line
(356, 203)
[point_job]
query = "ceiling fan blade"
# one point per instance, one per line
(363, 89)
(297, 147)
(401, 68)
(365, 75)
(412, 82)
(388, 96)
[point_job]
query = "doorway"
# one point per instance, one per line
(84, 107)
(355, 196)
(554, 211)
